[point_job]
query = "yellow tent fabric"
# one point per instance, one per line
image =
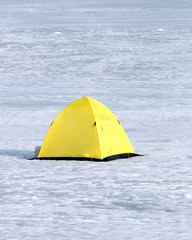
(86, 129)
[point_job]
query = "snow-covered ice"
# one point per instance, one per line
(54, 53)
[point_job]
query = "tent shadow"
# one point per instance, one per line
(16, 153)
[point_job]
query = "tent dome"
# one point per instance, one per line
(86, 129)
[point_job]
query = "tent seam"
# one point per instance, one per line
(94, 130)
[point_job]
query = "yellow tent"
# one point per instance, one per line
(86, 129)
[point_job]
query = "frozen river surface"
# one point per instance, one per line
(136, 59)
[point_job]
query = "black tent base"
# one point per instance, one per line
(110, 158)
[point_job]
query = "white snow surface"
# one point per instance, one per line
(133, 56)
